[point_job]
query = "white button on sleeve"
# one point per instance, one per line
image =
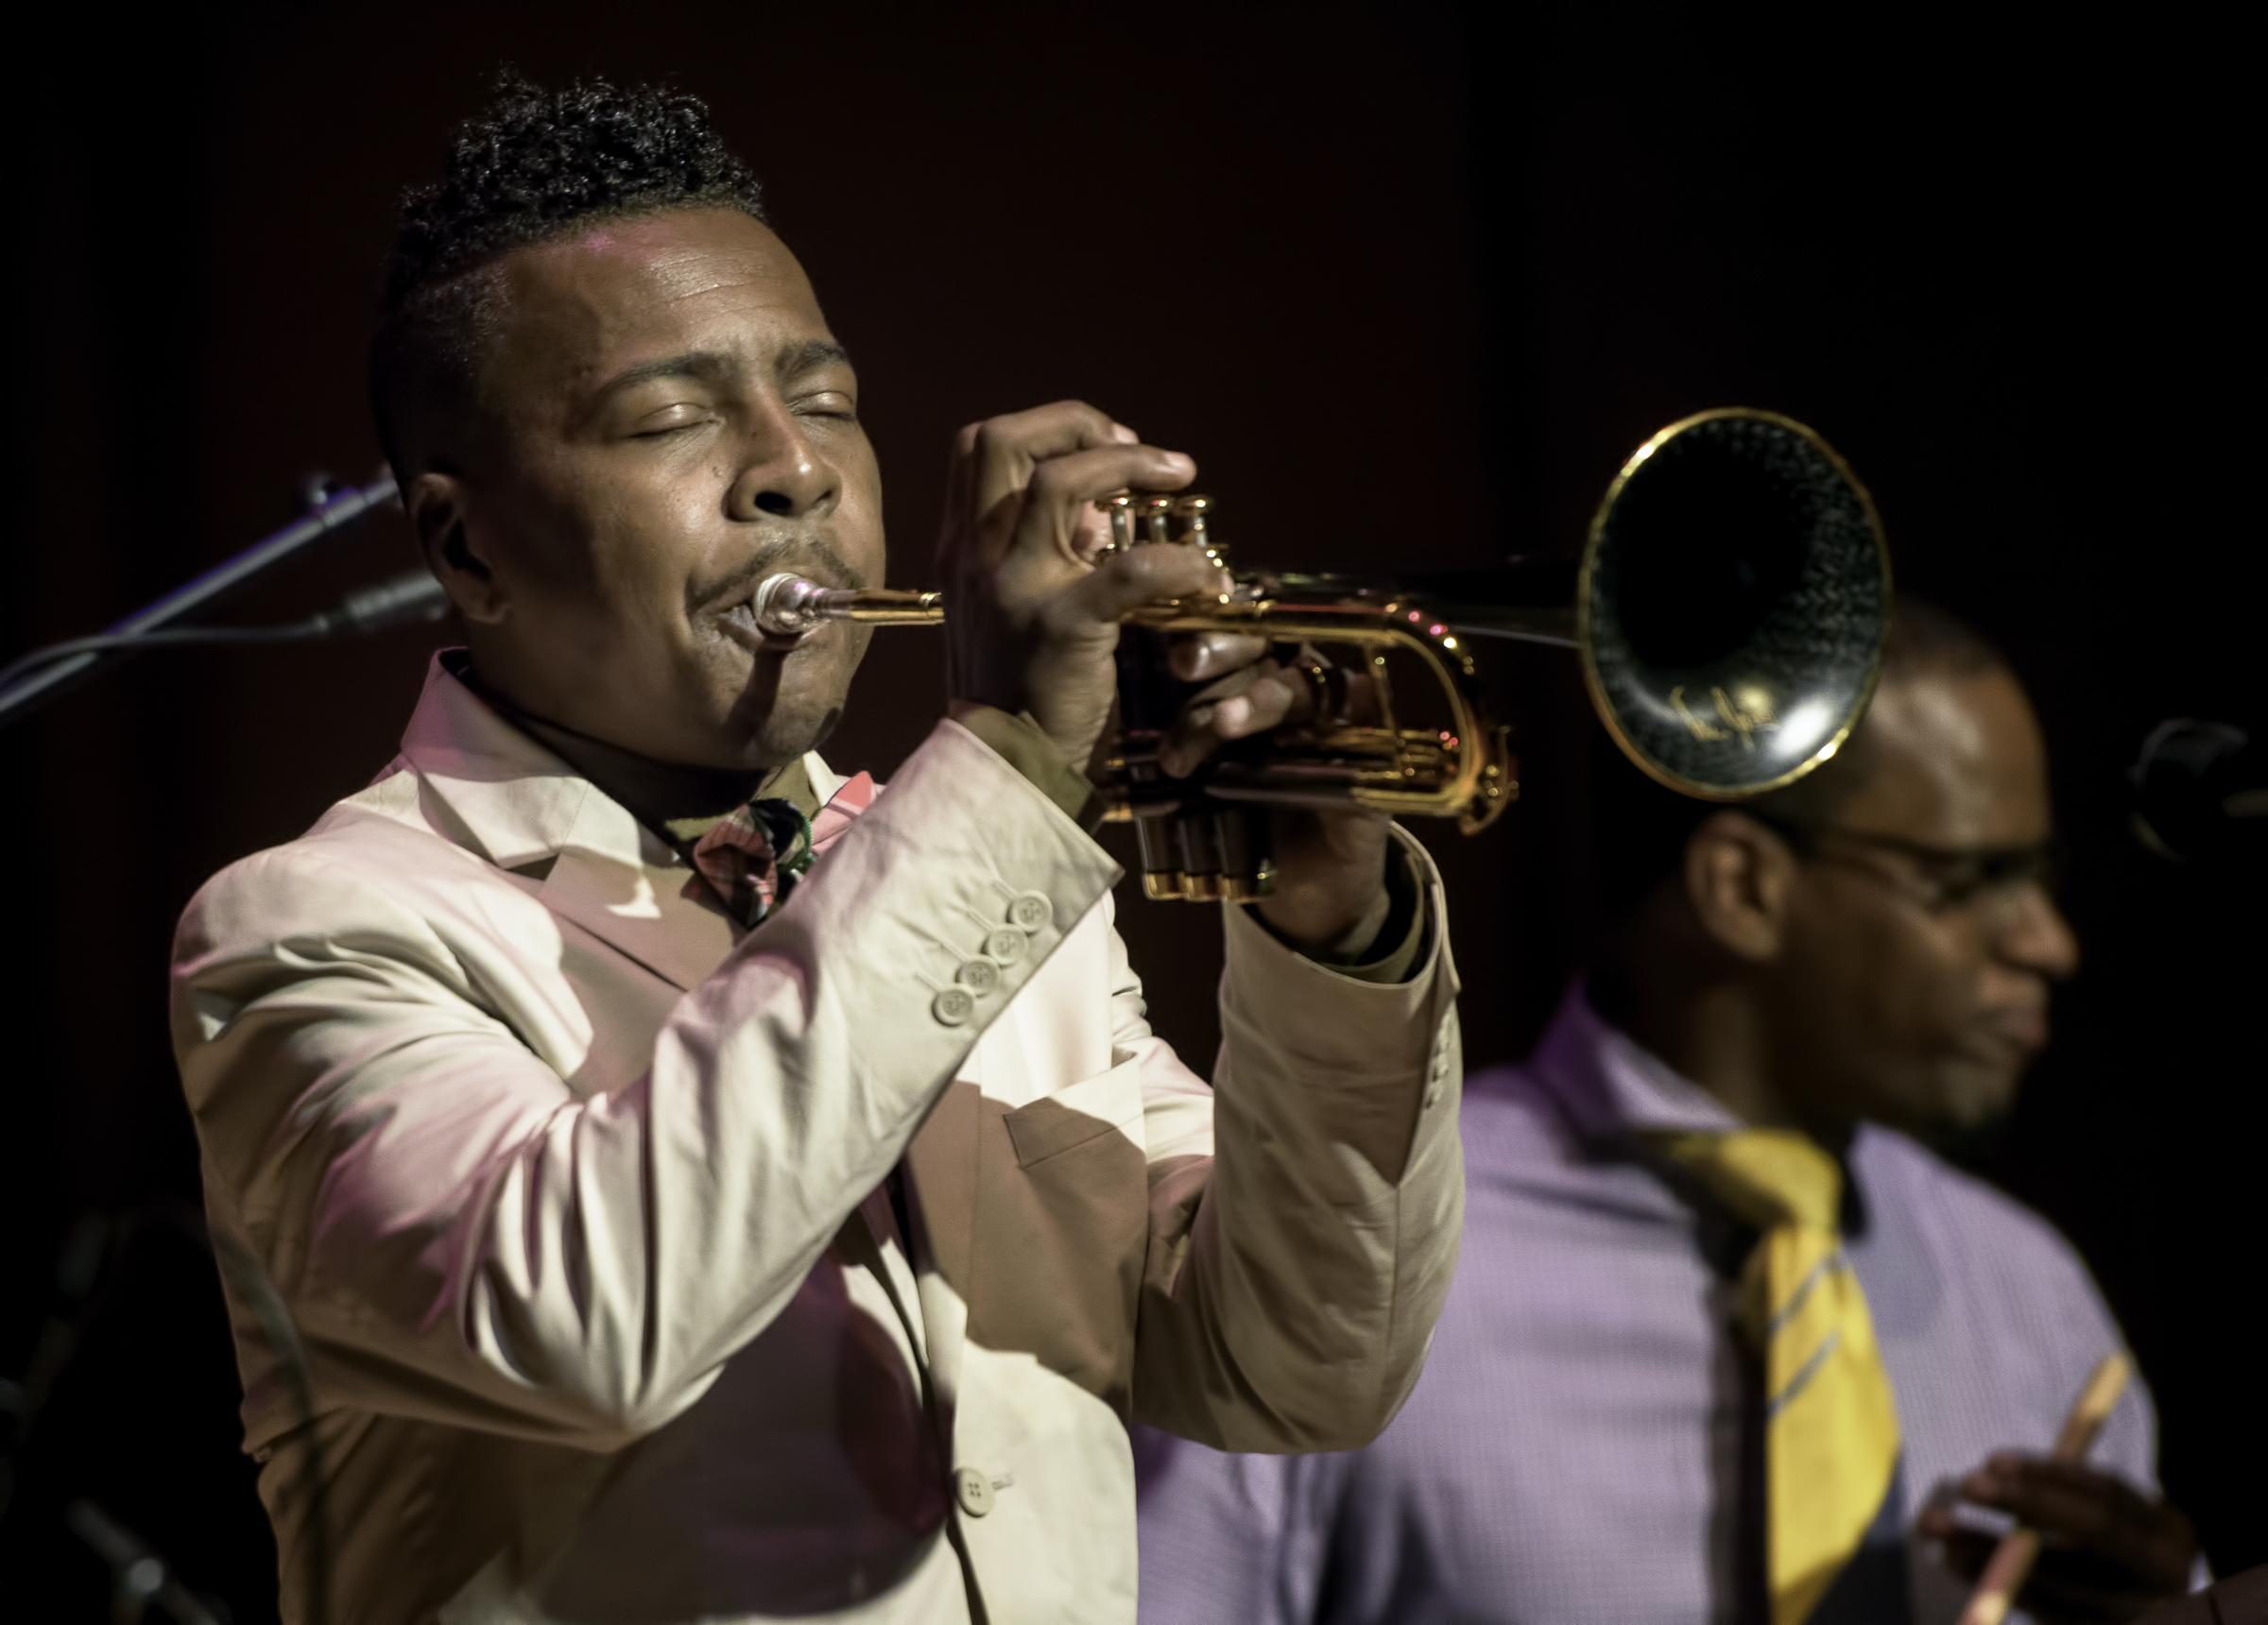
(1006, 945)
(979, 975)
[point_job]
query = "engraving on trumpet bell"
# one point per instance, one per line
(1749, 716)
(1732, 603)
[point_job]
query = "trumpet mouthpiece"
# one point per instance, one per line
(788, 605)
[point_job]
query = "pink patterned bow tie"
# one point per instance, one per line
(751, 858)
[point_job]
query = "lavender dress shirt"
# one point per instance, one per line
(1578, 1451)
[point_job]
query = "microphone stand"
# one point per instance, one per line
(140, 1577)
(49, 679)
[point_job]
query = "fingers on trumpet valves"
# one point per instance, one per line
(1245, 702)
(1200, 657)
(1141, 518)
(1295, 683)
(1325, 699)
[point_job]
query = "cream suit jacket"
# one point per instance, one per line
(565, 1278)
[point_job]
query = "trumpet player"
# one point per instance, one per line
(670, 1179)
(1718, 1149)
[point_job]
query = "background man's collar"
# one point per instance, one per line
(1610, 1087)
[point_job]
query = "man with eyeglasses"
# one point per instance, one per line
(1727, 1342)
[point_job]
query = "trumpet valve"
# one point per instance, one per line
(1119, 510)
(1155, 511)
(1193, 513)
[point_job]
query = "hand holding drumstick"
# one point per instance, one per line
(2091, 1547)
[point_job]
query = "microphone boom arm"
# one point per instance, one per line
(47, 679)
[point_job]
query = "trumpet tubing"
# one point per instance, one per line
(1729, 609)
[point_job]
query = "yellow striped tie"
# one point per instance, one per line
(1831, 1426)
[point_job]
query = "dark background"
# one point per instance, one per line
(1409, 282)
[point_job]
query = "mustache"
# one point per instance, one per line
(811, 555)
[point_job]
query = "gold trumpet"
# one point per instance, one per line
(1729, 609)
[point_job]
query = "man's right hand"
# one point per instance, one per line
(2110, 1552)
(1033, 619)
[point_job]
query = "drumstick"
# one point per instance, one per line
(2018, 1549)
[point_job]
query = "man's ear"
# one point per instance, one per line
(1738, 875)
(436, 506)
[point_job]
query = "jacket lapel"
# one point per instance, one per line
(520, 806)
(637, 909)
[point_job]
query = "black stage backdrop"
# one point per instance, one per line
(1408, 281)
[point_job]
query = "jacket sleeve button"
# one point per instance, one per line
(1005, 945)
(1032, 912)
(979, 975)
(954, 1006)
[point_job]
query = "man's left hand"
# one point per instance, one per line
(2108, 1551)
(1330, 867)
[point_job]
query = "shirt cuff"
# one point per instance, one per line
(1024, 745)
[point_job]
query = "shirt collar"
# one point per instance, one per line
(520, 800)
(1610, 1087)
(516, 803)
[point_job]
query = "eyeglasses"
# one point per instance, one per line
(1940, 879)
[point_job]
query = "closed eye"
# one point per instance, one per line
(674, 419)
(832, 403)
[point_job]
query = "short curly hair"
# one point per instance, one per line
(532, 166)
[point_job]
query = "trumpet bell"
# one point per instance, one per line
(1731, 604)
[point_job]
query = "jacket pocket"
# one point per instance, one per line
(1105, 1103)
(1061, 1233)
